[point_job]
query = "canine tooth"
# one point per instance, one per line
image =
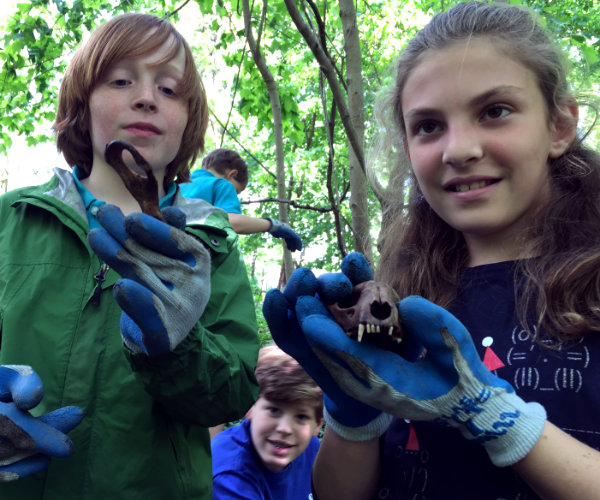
(397, 340)
(391, 330)
(361, 331)
(378, 328)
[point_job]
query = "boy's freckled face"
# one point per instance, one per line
(136, 101)
(478, 138)
(280, 433)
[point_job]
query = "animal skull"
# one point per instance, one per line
(370, 313)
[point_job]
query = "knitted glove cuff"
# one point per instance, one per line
(275, 224)
(374, 429)
(518, 441)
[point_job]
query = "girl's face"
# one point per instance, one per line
(136, 101)
(478, 139)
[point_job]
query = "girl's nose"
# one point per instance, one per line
(463, 145)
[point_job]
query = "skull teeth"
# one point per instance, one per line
(369, 328)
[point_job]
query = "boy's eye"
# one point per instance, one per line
(273, 410)
(120, 82)
(168, 91)
(496, 111)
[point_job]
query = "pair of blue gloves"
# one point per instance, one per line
(164, 290)
(282, 230)
(439, 376)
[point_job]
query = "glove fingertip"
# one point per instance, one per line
(175, 217)
(356, 266)
(334, 287)
(24, 468)
(302, 282)
(64, 419)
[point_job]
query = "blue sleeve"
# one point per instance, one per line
(225, 197)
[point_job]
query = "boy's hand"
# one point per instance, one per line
(26, 442)
(282, 230)
(166, 276)
(285, 313)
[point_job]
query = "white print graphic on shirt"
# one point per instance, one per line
(527, 353)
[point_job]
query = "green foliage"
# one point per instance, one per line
(40, 35)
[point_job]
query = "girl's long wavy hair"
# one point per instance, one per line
(421, 254)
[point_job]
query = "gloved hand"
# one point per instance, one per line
(348, 417)
(449, 385)
(166, 276)
(282, 230)
(26, 442)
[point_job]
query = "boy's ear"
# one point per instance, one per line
(564, 129)
(231, 174)
(318, 427)
(248, 415)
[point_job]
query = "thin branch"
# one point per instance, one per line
(234, 138)
(330, 73)
(291, 203)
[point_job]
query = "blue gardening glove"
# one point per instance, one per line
(348, 417)
(166, 276)
(282, 230)
(26, 442)
(449, 385)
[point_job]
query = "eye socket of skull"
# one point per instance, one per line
(351, 300)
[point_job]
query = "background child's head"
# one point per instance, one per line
(126, 37)
(288, 412)
(281, 379)
(229, 165)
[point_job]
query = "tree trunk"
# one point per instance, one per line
(356, 106)
(277, 124)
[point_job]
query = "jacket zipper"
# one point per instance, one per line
(100, 276)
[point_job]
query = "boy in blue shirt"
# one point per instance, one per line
(223, 176)
(269, 456)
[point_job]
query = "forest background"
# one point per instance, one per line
(292, 86)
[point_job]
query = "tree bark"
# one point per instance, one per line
(277, 123)
(358, 182)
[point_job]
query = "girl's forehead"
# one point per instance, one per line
(464, 67)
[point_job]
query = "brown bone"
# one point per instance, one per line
(370, 314)
(143, 188)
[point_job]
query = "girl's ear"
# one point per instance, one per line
(564, 129)
(405, 146)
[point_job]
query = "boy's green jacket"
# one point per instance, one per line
(144, 435)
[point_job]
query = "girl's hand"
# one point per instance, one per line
(449, 384)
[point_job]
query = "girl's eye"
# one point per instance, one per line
(427, 127)
(496, 111)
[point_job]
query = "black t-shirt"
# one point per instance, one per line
(425, 461)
